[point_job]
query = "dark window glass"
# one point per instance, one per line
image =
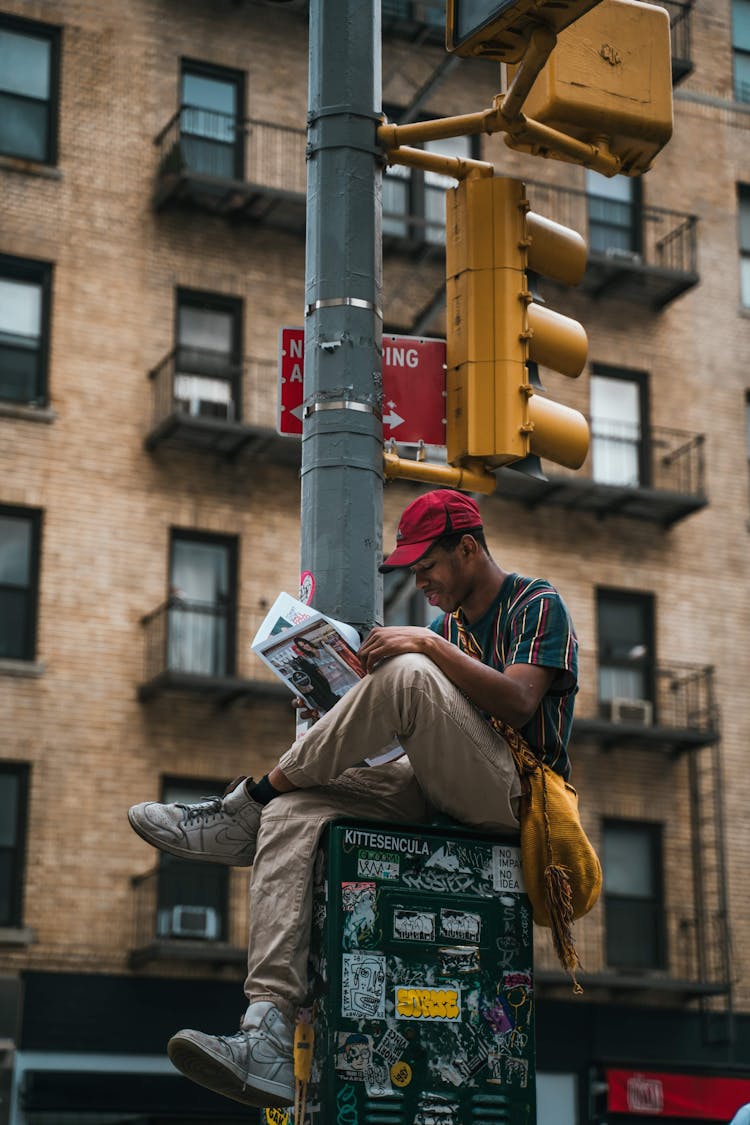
(202, 605)
(13, 786)
(24, 320)
(632, 895)
(211, 121)
(613, 215)
(208, 368)
(192, 897)
(625, 636)
(19, 561)
(741, 44)
(28, 89)
(744, 239)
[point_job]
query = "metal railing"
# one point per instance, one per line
(201, 639)
(193, 381)
(206, 143)
(685, 697)
(681, 696)
(692, 953)
(679, 28)
(153, 917)
(663, 459)
(666, 239)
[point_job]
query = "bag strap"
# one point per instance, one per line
(558, 893)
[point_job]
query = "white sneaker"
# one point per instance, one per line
(254, 1067)
(217, 830)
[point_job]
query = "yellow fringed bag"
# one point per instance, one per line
(561, 870)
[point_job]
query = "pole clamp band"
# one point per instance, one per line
(337, 302)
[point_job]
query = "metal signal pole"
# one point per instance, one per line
(342, 458)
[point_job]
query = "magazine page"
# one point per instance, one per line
(313, 660)
(287, 612)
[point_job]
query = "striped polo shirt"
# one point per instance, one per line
(528, 623)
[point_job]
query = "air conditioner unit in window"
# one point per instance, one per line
(198, 922)
(620, 254)
(636, 711)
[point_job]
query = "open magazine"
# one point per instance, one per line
(315, 656)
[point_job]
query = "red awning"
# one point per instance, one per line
(648, 1093)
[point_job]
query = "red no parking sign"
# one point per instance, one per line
(413, 387)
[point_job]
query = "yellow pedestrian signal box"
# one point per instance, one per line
(609, 77)
(496, 332)
(500, 29)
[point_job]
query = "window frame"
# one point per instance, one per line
(646, 601)
(635, 204)
(641, 379)
(21, 771)
(40, 273)
(229, 75)
(218, 302)
(34, 517)
(36, 29)
(231, 543)
(654, 831)
(741, 52)
(743, 203)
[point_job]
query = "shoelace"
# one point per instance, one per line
(209, 807)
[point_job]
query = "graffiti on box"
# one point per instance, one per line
(436, 995)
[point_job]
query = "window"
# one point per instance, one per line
(633, 909)
(24, 329)
(208, 367)
(744, 236)
(613, 209)
(618, 424)
(13, 797)
(19, 577)
(192, 897)
(28, 89)
(202, 604)
(626, 646)
(414, 201)
(741, 45)
(211, 101)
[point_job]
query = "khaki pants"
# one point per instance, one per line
(455, 763)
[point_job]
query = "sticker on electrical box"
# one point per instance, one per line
(377, 865)
(363, 985)
(413, 925)
(434, 1004)
(461, 924)
(506, 869)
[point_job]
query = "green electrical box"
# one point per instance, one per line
(422, 979)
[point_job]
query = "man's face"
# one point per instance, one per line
(443, 577)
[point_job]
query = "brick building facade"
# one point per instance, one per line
(151, 246)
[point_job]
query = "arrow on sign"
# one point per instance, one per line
(393, 419)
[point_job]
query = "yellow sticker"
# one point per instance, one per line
(277, 1117)
(401, 1074)
(428, 1004)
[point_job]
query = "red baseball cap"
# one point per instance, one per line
(428, 518)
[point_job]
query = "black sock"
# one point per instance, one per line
(262, 791)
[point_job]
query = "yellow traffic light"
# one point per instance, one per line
(609, 79)
(500, 29)
(496, 332)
